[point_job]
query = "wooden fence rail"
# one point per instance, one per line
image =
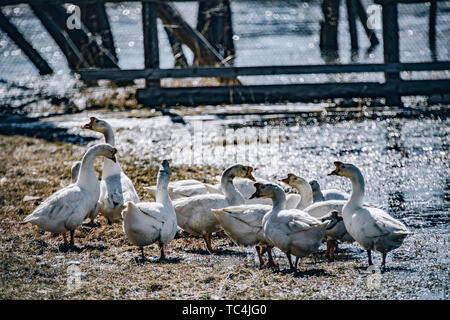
(152, 74)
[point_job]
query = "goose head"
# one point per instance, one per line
(315, 186)
(108, 151)
(333, 218)
(265, 190)
(294, 181)
(96, 125)
(163, 176)
(343, 169)
(240, 171)
(165, 167)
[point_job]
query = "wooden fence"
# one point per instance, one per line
(94, 61)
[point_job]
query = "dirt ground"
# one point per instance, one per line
(35, 264)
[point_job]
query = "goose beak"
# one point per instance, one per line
(249, 174)
(338, 166)
(89, 125)
(255, 195)
(285, 180)
(114, 159)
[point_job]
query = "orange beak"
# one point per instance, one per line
(249, 174)
(88, 125)
(256, 193)
(285, 180)
(335, 172)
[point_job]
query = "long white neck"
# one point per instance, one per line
(110, 167)
(357, 196)
(278, 200)
(109, 136)
(229, 190)
(87, 178)
(162, 194)
(278, 203)
(305, 191)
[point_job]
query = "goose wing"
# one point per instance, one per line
(64, 209)
(251, 215)
(298, 221)
(153, 210)
(381, 223)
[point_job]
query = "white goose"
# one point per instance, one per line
(243, 224)
(115, 187)
(145, 223)
(293, 231)
(319, 210)
(328, 194)
(67, 208)
(194, 214)
(191, 187)
(185, 188)
(372, 228)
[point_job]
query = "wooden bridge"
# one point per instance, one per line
(214, 52)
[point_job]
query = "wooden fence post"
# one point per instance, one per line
(432, 30)
(351, 16)
(150, 30)
(329, 30)
(201, 48)
(369, 32)
(391, 46)
(228, 42)
(95, 18)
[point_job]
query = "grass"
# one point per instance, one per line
(34, 264)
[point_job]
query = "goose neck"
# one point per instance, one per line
(278, 200)
(109, 136)
(229, 190)
(318, 196)
(162, 193)
(306, 194)
(357, 196)
(87, 176)
(110, 167)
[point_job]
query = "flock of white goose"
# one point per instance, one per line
(257, 214)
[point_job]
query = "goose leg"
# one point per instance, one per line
(327, 253)
(161, 247)
(333, 245)
(369, 255)
(264, 250)
(288, 255)
(71, 238)
(271, 263)
(65, 239)
(142, 253)
(296, 262)
(383, 260)
(260, 257)
(207, 238)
